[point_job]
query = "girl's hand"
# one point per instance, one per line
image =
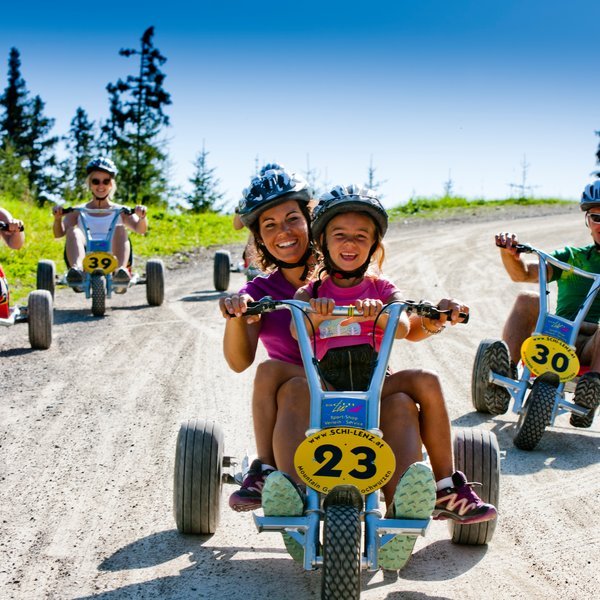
(140, 210)
(322, 306)
(370, 307)
(57, 211)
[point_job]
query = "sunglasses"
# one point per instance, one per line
(105, 182)
(594, 217)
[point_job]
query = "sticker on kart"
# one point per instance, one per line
(543, 354)
(100, 261)
(344, 455)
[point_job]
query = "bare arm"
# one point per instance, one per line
(138, 221)
(13, 236)
(518, 270)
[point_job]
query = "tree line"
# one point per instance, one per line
(133, 135)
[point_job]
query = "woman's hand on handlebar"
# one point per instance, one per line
(455, 307)
(235, 306)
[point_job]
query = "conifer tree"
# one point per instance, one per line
(14, 123)
(132, 133)
(80, 143)
(205, 185)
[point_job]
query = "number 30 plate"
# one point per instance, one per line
(542, 354)
(344, 455)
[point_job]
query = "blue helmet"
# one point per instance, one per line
(270, 167)
(591, 196)
(102, 164)
(352, 198)
(270, 188)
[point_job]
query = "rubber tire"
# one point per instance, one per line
(483, 393)
(221, 270)
(155, 282)
(198, 477)
(98, 295)
(477, 455)
(46, 276)
(341, 553)
(535, 415)
(39, 319)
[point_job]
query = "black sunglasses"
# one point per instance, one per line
(100, 181)
(595, 217)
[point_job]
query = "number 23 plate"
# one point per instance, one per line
(543, 354)
(344, 455)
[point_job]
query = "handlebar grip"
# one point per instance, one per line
(4, 226)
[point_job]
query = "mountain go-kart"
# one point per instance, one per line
(37, 314)
(99, 264)
(549, 366)
(344, 445)
(223, 266)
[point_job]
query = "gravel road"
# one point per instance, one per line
(88, 430)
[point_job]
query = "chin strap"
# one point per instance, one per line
(303, 262)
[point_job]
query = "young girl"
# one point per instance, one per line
(348, 226)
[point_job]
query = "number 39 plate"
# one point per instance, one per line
(100, 261)
(543, 354)
(344, 455)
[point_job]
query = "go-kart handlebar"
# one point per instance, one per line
(4, 226)
(124, 209)
(422, 308)
(520, 248)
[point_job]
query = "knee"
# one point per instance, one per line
(293, 396)
(398, 407)
(527, 303)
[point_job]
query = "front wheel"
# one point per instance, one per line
(477, 455)
(487, 397)
(221, 270)
(39, 319)
(341, 553)
(155, 282)
(198, 477)
(98, 295)
(536, 414)
(46, 275)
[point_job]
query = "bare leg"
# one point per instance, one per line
(120, 246)
(425, 389)
(520, 323)
(293, 412)
(399, 421)
(270, 376)
(590, 354)
(75, 247)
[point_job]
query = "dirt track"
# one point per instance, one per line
(88, 433)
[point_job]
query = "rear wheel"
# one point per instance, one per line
(536, 413)
(221, 270)
(477, 455)
(341, 553)
(98, 295)
(39, 319)
(487, 397)
(155, 282)
(198, 477)
(46, 273)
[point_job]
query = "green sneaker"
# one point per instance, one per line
(281, 497)
(414, 498)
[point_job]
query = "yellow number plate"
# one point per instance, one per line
(344, 455)
(100, 261)
(543, 354)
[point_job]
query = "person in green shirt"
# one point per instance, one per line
(572, 290)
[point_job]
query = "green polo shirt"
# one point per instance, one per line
(573, 289)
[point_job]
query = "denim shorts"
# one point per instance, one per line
(349, 368)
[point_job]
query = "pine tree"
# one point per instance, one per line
(371, 182)
(80, 143)
(39, 151)
(15, 122)
(205, 192)
(136, 120)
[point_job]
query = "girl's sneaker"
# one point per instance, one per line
(281, 497)
(249, 496)
(414, 498)
(461, 503)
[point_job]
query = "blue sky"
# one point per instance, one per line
(431, 90)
